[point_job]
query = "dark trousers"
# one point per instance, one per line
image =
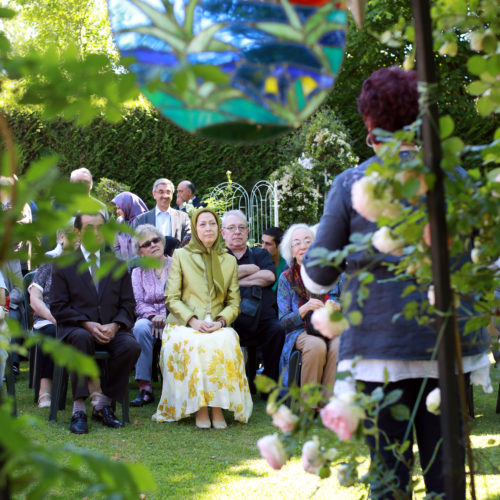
(393, 472)
(16, 314)
(124, 351)
(269, 338)
(46, 363)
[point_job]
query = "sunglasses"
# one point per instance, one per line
(148, 243)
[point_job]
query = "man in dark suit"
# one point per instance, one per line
(168, 220)
(185, 194)
(95, 312)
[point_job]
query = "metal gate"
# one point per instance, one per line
(261, 207)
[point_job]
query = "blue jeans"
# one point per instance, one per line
(143, 332)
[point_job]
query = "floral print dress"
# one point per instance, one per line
(201, 369)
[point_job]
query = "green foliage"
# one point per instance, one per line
(34, 469)
(311, 157)
(107, 189)
(387, 39)
(142, 147)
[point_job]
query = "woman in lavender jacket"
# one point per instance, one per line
(149, 293)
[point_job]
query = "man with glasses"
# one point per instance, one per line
(257, 325)
(169, 221)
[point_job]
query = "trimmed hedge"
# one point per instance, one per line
(141, 148)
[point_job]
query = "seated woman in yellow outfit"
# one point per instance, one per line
(201, 359)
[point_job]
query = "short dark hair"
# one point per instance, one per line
(191, 187)
(389, 98)
(78, 220)
(276, 233)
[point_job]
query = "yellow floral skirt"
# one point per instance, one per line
(202, 369)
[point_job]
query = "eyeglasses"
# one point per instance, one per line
(298, 243)
(232, 229)
(148, 243)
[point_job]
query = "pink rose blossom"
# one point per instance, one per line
(284, 419)
(272, 450)
(342, 417)
(321, 320)
(312, 461)
(384, 242)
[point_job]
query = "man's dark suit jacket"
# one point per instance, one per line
(74, 298)
(180, 223)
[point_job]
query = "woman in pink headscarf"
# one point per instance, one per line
(128, 207)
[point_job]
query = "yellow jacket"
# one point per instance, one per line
(186, 293)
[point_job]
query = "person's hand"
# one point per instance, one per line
(213, 326)
(95, 330)
(158, 325)
(204, 326)
(110, 330)
(310, 305)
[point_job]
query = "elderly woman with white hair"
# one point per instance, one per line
(296, 305)
(149, 292)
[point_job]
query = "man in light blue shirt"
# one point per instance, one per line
(168, 220)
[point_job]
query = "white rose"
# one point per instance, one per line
(433, 401)
(312, 461)
(383, 241)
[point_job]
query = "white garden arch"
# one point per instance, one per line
(260, 207)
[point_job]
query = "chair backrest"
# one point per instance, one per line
(28, 314)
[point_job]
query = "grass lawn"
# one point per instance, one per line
(189, 463)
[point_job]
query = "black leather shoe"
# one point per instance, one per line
(78, 423)
(107, 417)
(144, 398)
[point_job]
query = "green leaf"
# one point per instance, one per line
(475, 323)
(489, 43)
(486, 105)
(201, 41)
(282, 31)
(355, 318)
(446, 126)
(291, 14)
(264, 384)
(7, 13)
(453, 145)
(411, 187)
(476, 65)
(478, 87)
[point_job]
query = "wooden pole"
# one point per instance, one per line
(453, 461)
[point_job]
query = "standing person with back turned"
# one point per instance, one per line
(397, 349)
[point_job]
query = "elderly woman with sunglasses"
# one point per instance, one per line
(149, 290)
(296, 305)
